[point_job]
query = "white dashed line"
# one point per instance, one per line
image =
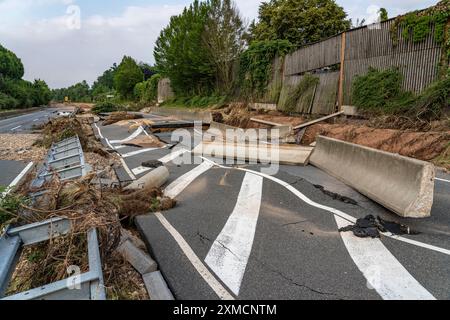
(439, 179)
(15, 128)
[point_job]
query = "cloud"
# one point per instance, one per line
(62, 52)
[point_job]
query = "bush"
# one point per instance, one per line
(381, 92)
(7, 102)
(106, 106)
(196, 101)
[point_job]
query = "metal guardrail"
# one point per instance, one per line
(64, 158)
(85, 286)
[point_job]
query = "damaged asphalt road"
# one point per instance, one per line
(296, 251)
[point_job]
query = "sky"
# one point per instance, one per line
(66, 41)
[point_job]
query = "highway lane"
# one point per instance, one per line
(25, 123)
(290, 248)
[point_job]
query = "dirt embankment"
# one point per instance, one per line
(420, 145)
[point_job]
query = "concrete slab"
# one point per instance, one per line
(157, 287)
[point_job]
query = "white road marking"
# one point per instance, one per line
(15, 128)
(382, 270)
(127, 169)
(176, 187)
(35, 120)
(99, 132)
(383, 262)
(133, 153)
(131, 137)
(229, 254)
(165, 159)
(444, 180)
(196, 262)
(17, 179)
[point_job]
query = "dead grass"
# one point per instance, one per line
(120, 116)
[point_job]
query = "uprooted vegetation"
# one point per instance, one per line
(63, 128)
(119, 116)
(87, 206)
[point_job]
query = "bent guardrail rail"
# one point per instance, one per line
(401, 184)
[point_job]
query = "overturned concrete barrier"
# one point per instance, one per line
(263, 153)
(227, 132)
(155, 178)
(183, 114)
(401, 184)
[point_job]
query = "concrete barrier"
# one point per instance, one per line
(155, 178)
(264, 153)
(220, 129)
(401, 184)
(184, 114)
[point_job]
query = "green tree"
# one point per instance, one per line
(299, 21)
(383, 14)
(180, 53)
(127, 75)
(224, 39)
(10, 65)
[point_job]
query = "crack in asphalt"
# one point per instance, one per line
(292, 281)
(292, 223)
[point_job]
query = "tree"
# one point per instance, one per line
(127, 75)
(299, 21)
(180, 53)
(224, 39)
(10, 65)
(383, 14)
(147, 70)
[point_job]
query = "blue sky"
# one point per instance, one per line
(66, 41)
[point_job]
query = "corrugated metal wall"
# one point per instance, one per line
(364, 47)
(373, 47)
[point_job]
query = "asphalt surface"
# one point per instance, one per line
(25, 123)
(10, 170)
(294, 250)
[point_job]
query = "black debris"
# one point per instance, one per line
(370, 226)
(152, 164)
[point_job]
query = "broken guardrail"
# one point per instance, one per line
(401, 184)
(65, 158)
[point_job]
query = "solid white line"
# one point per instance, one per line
(109, 144)
(131, 137)
(127, 169)
(442, 180)
(397, 289)
(35, 120)
(382, 270)
(133, 153)
(17, 179)
(229, 254)
(165, 159)
(99, 132)
(15, 128)
(176, 187)
(196, 262)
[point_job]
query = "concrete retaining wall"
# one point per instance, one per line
(183, 114)
(401, 184)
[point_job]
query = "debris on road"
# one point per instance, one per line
(120, 116)
(145, 141)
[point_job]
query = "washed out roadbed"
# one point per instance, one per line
(427, 146)
(20, 147)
